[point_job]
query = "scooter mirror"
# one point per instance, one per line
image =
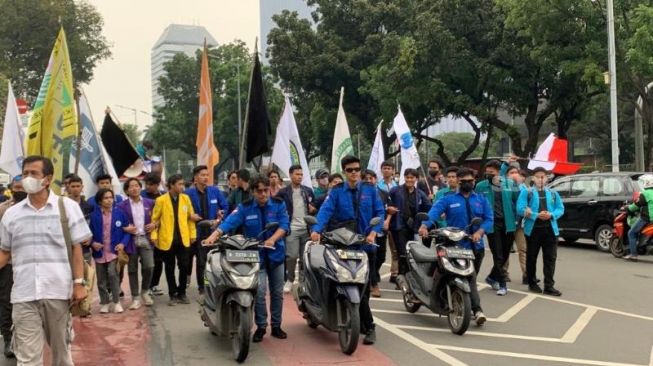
(422, 216)
(310, 220)
(375, 221)
(476, 221)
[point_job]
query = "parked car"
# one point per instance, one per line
(591, 203)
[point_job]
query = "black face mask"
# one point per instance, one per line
(466, 187)
(489, 177)
(433, 173)
(18, 196)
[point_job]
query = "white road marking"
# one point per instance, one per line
(651, 361)
(583, 320)
(389, 290)
(430, 315)
(485, 334)
(435, 352)
(515, 309)
(385, 300)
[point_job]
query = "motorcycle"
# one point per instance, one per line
(439, 277)
(335, 275)
(230, 284)
(619, 242)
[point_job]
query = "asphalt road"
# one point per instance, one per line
(605, 317)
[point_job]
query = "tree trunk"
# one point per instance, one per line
(486, 148)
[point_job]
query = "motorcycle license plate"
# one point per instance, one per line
(460, 253)
(351, 254)
(247, 256)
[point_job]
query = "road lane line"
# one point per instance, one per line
(431, 315)
(583, 320)
(651, 361)
(515, 309)
(485, 334)
(386, 300)
(434, 351)
(389, 290)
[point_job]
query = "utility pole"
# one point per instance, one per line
(613, 87)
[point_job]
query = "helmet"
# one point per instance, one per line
(321, 172)
(646, 181)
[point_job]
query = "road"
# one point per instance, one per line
(604, 317)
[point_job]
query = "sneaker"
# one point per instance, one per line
(479, 317)
(104, 309)
(375, 291)
(494, 284)
(287, 287)
(630, 257)
(147, 299)
(502, 291)
(535, 288)
(173, 301)
(136, 304)
(370, 337)
(117, 308)
(183, 299)
(9, 352)
(552, 291)
(277, 332)
(156, 291)
(258, 335)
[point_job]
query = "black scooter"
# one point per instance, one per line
(439, 277)
(230, 284)
(335, 275)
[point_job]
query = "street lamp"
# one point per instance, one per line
(612, 68)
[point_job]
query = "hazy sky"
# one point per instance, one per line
(132, 27)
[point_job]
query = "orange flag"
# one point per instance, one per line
(207, 153)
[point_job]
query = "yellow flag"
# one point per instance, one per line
(53, 117)
(207, 153)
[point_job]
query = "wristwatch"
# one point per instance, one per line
(79, 281)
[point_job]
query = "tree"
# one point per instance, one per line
(28, 29)
(131, 130)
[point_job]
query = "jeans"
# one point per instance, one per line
(107, 281)
(6, 283)
(146, 256)
(272, 276)
(473, 287)
(178, 254)
(542, 237)
(500, 243)
(633, 235)
(295, 243)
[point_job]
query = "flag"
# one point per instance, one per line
(288, 149)
(341, 139)
(53, 116)
(409, 154)
(92, 155)
(207, 153)
(12, 152)
(258, 121)
(121, 151)
(377, 157)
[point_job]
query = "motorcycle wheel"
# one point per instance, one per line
(461, 313)
(350, 329)
(410, 306)
(241, 329)
(617, 247)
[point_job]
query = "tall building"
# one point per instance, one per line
(176, 38)
(268, 8)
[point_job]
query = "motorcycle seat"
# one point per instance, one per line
(423, 254)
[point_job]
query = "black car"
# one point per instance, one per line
(591, 202)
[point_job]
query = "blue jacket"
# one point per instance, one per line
(455, 209)
(340, 207)
(553, 203)
(285, 194)
(509, 194)
(216, 202)
(118, 235)
(253, 219)
(398, 198)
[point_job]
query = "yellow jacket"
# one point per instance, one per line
(163, 215)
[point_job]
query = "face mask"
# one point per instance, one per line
(433, 173)
(466, 187)
(19, 196)
(489, 177)
(33, 185)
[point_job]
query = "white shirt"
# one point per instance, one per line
(138, 213)
(38, 249)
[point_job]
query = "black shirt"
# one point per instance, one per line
(542, 197)
(498, 202)
(204, 204)
(176, 237)
(412, 202)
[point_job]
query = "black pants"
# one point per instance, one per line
(200, 253)
(500, 244)
(158, 267)
(178, 254)
(541, 237)
(367, 321)
(6, 283)
(402, 237)
(379, 259)
(474, 296)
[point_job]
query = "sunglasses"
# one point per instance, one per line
(466, 181)
(353, 170)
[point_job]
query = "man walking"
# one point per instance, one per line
(385, 185)
(44, 282)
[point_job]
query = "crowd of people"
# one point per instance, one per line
(150, 230)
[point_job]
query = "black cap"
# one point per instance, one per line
(321, 173)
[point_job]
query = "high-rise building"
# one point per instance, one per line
(176, 38)
(268, 8)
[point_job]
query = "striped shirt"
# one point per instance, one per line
(38, 249)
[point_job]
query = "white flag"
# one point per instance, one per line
(409, 154)
(12, 152)
(377, 157)
(288, 149)
(341, 139)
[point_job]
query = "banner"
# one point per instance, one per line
(53, 116)
(258, 125)
(12, 152)
(207, 153)
(341, 139)
(409, 154)
(288, 148)
(377, 156)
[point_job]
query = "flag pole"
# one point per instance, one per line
(241, 153)
(78, 146)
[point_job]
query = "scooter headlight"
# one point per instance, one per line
(244, 276)
(457, 235)
(462, 268)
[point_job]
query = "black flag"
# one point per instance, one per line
(118, 147)
(258, 121)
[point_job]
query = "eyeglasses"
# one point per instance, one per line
(353, 170)
(466, 181)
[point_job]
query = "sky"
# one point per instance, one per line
(132, 28)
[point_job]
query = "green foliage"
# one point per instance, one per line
(28, 29)
(131, 130)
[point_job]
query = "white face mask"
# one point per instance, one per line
(33, 185)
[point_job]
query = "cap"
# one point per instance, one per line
(321, 173)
